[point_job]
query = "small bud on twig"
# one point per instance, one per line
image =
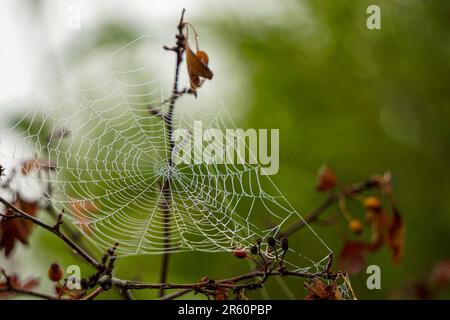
(284, 244)
(372, 203)
(356, 226)
(55, 272)
(271, 242)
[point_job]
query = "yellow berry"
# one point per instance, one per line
(356, 226)
(372, 203)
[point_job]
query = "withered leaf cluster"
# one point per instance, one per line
(197, 62)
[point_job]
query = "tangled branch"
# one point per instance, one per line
(103, 280)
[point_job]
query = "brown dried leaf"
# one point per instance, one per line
(35, 164)
(81, 207)
(317, 290)
(203, 57)
(334, 293)
(197, 65)
(17, 229)
(79, 210)
(352, 257)
(380, 228)
(396, 237)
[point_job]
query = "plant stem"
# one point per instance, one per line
(168, 118)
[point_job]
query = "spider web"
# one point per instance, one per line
(112, 158)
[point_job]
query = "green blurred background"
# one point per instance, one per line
(363, 101)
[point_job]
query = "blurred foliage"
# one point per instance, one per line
(362, 101)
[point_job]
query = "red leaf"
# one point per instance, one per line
(352, 258)
(15, 282)
(396, 237)
(326, 179)
(380, 227)
(31, 284)
(17, 229)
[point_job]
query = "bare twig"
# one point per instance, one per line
(168, 118)
(228, 283)
(28, 292)
(176, 294)
(18, 213)
(10, 288)
(126, 294)
(94, 294)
